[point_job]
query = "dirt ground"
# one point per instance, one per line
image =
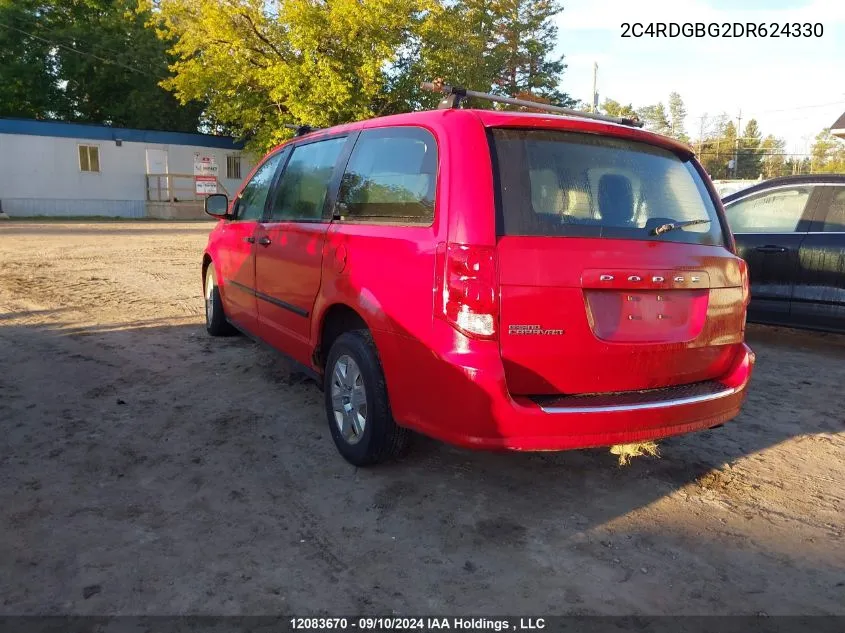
(147, 468)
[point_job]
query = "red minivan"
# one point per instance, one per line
(493, 279)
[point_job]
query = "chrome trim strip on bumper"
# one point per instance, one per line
(663, 404)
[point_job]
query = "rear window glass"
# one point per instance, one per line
(583, 185)
(391, 177)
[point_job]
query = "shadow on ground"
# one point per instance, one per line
(154, 470)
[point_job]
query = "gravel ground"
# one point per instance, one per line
(149, 469)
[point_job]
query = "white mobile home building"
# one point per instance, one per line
(67, 169)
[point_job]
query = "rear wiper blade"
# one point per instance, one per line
(671, 226)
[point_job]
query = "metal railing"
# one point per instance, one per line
(454, 95)
(176, 188)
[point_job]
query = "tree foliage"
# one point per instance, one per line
(677, 117)
(655, 117)
(748, 152)
(261, 66)
(773, 160)
(90, 61)
(27, 85)
(320, 63)
(616, 109)
(827, 155)
(524, 36)
(249, 67)
(716, 146)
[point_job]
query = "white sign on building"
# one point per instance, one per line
(205, 166)
(205, 185)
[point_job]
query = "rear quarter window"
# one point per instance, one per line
(390, 177)
(556, 183)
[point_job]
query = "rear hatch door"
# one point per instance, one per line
(601, 288)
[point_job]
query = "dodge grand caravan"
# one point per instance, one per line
(493, 279)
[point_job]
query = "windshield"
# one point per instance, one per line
(555, 183)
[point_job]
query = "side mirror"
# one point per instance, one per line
(217, 205)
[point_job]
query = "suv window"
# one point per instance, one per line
(834, 220)
(554, 183)
(777, 211)
(391, 176)
(301, 193)
(254, 194)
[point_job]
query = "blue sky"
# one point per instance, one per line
(793, 87)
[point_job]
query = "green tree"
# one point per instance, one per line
(749, 163)
(440, 46)
(500, 46)
(524, 37)
(91, 61)
(678, 115)
(717, 146)
(656, 119)
(614, 108)
(117, 80)
(773, 159)
(260, 66)
(797, 166)
(827, 155)
(28, 86)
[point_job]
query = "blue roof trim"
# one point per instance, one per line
(105, 133)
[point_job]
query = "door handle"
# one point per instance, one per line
(265, 241)
(771, 249)
(249, 240)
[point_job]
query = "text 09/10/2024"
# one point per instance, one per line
(417, 624)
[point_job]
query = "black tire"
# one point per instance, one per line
(215, 317)
(382, 439)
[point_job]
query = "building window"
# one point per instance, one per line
(233, 167)
(89, 158)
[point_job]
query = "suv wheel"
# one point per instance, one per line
(357, 408)
(215, 319)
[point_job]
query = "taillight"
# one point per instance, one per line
(469, 289)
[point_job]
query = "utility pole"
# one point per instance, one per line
(594, 98)
(736, 143)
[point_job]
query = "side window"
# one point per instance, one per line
(391, 177)
(305, 182)
(776, 211)
(254, 194)
(834, 220)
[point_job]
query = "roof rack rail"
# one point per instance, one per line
(300, 130)
(456, 94)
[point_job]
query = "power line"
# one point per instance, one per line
(76, 50)
(726, 155)
(99, 45)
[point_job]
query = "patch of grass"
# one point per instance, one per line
(627, 452)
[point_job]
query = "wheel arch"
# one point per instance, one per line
(206, 260)
(334, 320)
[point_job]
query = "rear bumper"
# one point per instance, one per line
(464, 401)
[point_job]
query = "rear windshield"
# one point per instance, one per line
(583, 185)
